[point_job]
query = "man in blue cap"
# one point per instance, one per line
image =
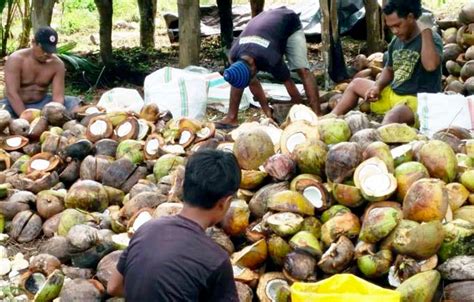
(261, 46)
(29, 73)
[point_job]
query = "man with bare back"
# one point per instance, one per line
(29, 73)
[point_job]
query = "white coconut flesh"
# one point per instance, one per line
(142, 130)
(13, 141)
(294, 140)
(175, 149)
(370, 169)
(285, 219)
(140, 220)
(152, 146)
(98, 127)
(274, 133)
(121, 239)
(303, 114)
(400, 151)
(377, 184)
(313, 195)
(185, 137)
(92, 110)
(237, 270)
(124, 129)
(204, 132)
(271, 290)
(40, 164)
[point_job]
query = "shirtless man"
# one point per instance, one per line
(29, 73)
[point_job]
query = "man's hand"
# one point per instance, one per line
(372, 94)
(425, 21)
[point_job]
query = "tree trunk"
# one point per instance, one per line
(42, 12)
(325, 38)
(147, 22)
(25, 25)
(373, 17)
(189, 32)
(105, 9)
(6, 29)
(256, 6)
(225, 21)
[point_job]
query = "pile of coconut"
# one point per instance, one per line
(458, 37)
(318, 197)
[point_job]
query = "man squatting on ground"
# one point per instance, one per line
(260, 47)
(413, 66)
(29, 72)
(171, 258)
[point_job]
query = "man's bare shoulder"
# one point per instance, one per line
(17, 56)
(56, 62)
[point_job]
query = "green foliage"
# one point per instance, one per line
(78, 15)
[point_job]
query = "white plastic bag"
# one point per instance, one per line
(438, 111)
(181, 92)
(219, 94)
(121, 99)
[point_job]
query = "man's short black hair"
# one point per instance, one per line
(403, 8)
(209, 176)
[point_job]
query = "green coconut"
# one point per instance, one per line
(467, 179)
(376, 265)
(397, 133)
(51, 288)
(382, 151)
(465, 213)
(378, 223)
(88, 195)
(346, 224)
(2, 223)
(465, 162)
(347, 195)
(70, 218)
(310, 157)
(313, 225)
(402, 154)
(166, 164)
(21, 164)
(334, 211)
(131, 149)
(421, 241)
(252, 148)
(402, 228)
(408, 173)
(333, 131)
(307, 242)
(458, 239)
(278, 248)
(440, 160)
(457, 194)
(290, 201)
(420, 287)
(285, 223)
(426, 200)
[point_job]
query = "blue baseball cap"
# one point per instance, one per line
(238, 74)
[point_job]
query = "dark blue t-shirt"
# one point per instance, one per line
(264, 39)
(172, 259)
(409, 75)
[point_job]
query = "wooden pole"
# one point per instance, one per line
(325, 38)
(189, 32)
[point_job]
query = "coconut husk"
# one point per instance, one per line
(19, 127)
(300, 266)
(342, 160)
(71, 173)
(34, 182)
(26, 226)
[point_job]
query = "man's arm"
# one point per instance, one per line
(384, 80)
(13, 83)
(115, 284)
(58, 83)
(430, 56)
(430, 59)
(257, 91)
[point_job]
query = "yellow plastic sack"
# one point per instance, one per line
(342, 288)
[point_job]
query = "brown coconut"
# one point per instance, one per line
(426, 200)
(342, 160)
(253, 148)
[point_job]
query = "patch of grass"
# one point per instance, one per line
(78, 16)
